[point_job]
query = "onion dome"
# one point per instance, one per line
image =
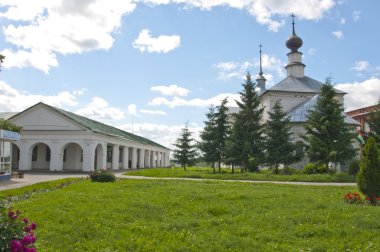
(294, 42)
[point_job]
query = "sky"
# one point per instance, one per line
(151, 66)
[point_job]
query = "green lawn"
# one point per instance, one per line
(152, 215)
(194, 172)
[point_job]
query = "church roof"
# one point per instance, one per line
(300, 114)
(98, 127)
(299, 84)
(7, 115)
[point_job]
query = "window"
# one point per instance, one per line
(47, 154)
(34, 153)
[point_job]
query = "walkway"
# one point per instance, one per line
(33, 178)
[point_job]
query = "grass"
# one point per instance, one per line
(156, 215)
(206, 173)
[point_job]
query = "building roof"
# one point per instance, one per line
(300, 114)
(98, 127)
(299, 84)
(7, 115)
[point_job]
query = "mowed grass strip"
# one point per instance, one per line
(206, 173)
(146, 215)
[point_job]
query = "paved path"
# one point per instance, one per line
(33, 178)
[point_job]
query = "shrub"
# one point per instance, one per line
(353, 167)
(368, 178)
(314, 168)
(17, 235)
(102, 176)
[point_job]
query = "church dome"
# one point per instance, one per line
(294, 42)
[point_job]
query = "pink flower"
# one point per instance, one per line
(25, 220)
(29, 250)
(33, 226)
(16, 246)
(28, 239)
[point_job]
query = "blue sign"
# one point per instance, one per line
(9, 135)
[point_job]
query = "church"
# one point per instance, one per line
(297, 93)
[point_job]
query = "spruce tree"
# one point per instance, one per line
(208, 144)
(374, 125)
(327, 136)
(215, 133)
(279, 146)
(222, 131)
(185, 151)
(368, 178)
(248, 130)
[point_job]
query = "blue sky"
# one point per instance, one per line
(156, 64)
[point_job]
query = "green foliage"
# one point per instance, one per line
(315, 168)
(185, 152)
(215, 133)
(374, 125)
(327, 136)
(2, 57)
(6, 125)
(354, 167)
(247, 132)
(368, 178)
(102, 176)
(142, 215)
(278, 141)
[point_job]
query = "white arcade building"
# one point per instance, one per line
(53, 139)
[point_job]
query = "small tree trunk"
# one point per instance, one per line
(219, 166)
(233, 168)
(213, 167)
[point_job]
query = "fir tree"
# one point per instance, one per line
(222, 131)
(247, 129)
(368, 178)
(215, 133)
(279, 146)
(207, 145)
(185, 151)
(327, 136)
(374, 125)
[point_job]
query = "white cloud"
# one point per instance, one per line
(178, 102)
(13, 100)
(52, 27)
(132, 109)
(160, 44)
(152, 112)
(360, 94)
(272, 63)
(342, 20)
(99, 109)
(338, 34)
(269, 13)
(231, 69)
(356, 15)
(172, 90)
(41, 60)
(312, 51)
(361, 66)
(163, 134)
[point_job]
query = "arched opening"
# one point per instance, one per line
(72, 157)
(41, 155)
(99, 156)
(15, 157)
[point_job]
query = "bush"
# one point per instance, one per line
(102, 176)
(315, 168)
(17, 235)
(368, 178)
(353, 167)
